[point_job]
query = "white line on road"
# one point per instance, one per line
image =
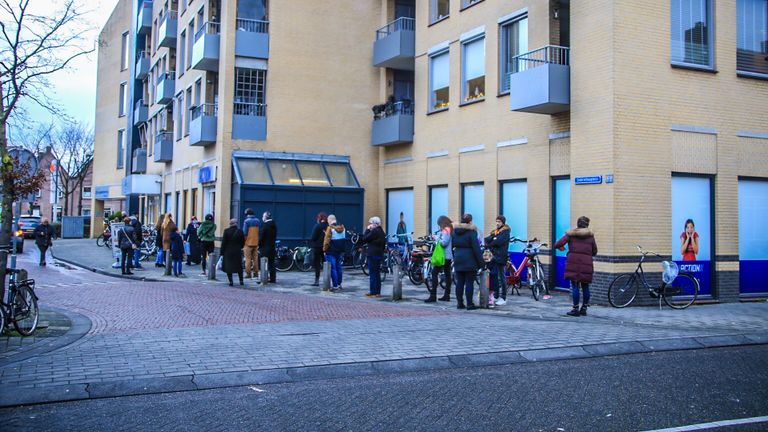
(712, 425)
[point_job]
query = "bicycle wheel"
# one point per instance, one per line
(25, 312)
(536, 282)
(284, 261)
(100, 241)
(2, 319)
(416, 273)
(682, 292)
(364, 265)
(298, 258)
(623, 290)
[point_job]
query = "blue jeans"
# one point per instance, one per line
(498, 282)
(177, 267)
(575, 292)
(160, 257)
(336, 274)
(374, 274)
(136, 258)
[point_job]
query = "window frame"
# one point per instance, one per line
(508, 23)
(187, 109)
(433, 18)
(125, 60)
(466, 4)
(182, 52)
(743, 72)
(430, 87)
(710, 67)
(122, 109)
(464, 82)
(120, 148)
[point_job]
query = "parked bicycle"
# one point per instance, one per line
(678, 289)
(420, 256)
(536, 281)
(105, 238)
(300, 260)
(283, 257)
(21, 309)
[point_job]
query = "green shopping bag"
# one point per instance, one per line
(438, 255)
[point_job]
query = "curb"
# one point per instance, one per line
(15, 396)
(106, 273)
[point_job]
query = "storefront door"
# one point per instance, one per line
(561, 221)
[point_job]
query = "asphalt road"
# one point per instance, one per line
(621, 393)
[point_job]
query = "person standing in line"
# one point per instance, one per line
(168, 227)
(334, 243)
(191, 237)
(689, 241)
(207, 234)
(138, 234)
(444, 238)
(126, 240)
(177, 252)
(160, 261)
(316, 243)
(579, 267)
(268, 244)
(467, 259)
(232, 242)
(251, 227)
(43, 238)
(498, 243)
(376, 239)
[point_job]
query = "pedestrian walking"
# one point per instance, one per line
(316, 245)
(177, 252)
(467, 259)
(444, 238)
(232, 243)
(126, 239)
(268, 244)
(138, 234)
(192, 239)
(579, 266)
(334, 243)
(498, 243)
(160, 261)
(251, 227)
(376, 240)
(43, 239)
(207, 234)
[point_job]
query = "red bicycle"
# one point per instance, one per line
(535, 279)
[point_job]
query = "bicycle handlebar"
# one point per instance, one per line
(646, 252)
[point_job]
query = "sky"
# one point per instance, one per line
(75, 89)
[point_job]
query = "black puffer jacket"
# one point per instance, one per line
(376, 240)
(318, 234)
(466, 250)
(498, 244)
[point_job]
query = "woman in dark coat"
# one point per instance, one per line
(126, 240)
(376, 240)
(316, 243)
(194, 242)
(466, 260)
(578, 266)
(43, 238)
(160, 261)
(232, 243)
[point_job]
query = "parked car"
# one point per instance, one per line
(27, 224)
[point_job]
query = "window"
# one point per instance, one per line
(252, 9)
(284, 172)
(399, 201)
(120, 148)
(473, 70)
(125, 52)
(692, 33)
(254, 171)
(467, 3)
(86, 191)
(438, 81)
(190, 45)
(753, 238)
(179, 114)
(438, 205)
(187, 111)
(752, 36)
(473, 202)
(86, 211)
(312, 174)
(513, 41)
(182, 49)
(198, 91)
(250, 91)
(514, 206)
(438, 10)
(183, 6)
(341, 175)
(123, 104)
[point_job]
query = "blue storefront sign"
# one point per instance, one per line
(588, 180)
(102, 192)
(206, 174)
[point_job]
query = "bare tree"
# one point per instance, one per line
(73, 150)
(32, 47)
(35, 139)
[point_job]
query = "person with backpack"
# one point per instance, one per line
(207, 234)
(579, 267)
(443, 239)
(376, 240)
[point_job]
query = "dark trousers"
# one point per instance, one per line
(498, 280)
(446, 269)
(43, 250)
(465, 286)
(239, 275)
(207, 248)
(374, 274)
(272, 270)
(126, 256)
(317, 261)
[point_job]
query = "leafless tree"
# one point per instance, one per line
(73, 149)
(33, 46)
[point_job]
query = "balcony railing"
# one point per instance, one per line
(167, 30)
(250, 109)
(550, 54)
(209, 27)
(169, 14)
(211, 110)
(387, 110)
(202, 126)
(142, 64)
(252, 25)
(144, 20)
(403, 23)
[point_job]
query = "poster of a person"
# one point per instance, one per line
(689, 241)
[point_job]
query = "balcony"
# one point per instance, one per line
(142, 65)
(392, 124)
(249, 121)
(166, 32)
(144, 19)
(202, 127)
(252, 38)
(139, 165)
(166, 84)
(205, 52)
(140, 112)
(163, 147)
(541, 81)
(395, 45)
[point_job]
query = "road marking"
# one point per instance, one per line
(711, 425)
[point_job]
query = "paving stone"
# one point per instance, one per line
(554, 354)
(140, 386)
(672, 344)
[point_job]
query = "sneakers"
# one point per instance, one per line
(202, 274)
(501, 302)
(547, 297)
(573, 312)
(370, 295)
(583, 310)
(491, 300)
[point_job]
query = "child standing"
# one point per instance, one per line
(177, 251)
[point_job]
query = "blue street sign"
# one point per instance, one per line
(609, 178)
(206, 174)
(588, 180)
(102, 192)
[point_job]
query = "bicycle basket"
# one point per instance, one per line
(669, 272)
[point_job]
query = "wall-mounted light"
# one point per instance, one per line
(556, 13)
